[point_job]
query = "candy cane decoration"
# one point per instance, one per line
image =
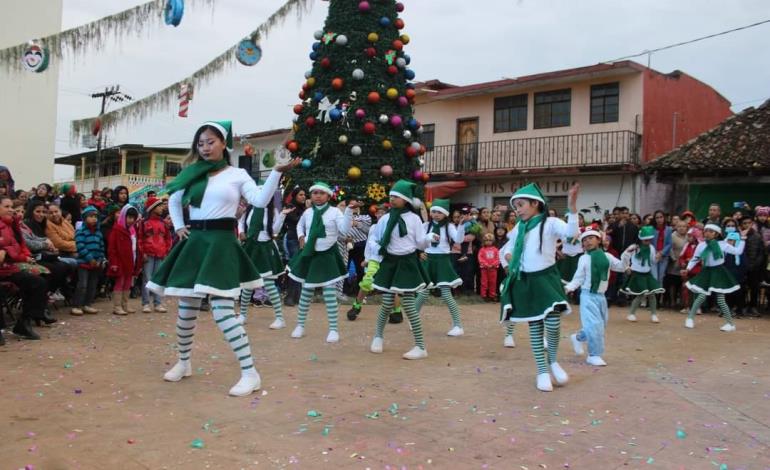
(185, 96)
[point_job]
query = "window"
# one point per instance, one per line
(173, 168)
(428, 138)
(511, 113)
(604, 103)
(133, 166)
(552, 108)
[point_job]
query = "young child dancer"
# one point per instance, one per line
(532, 291)
(438, 263)
(714, 278)
(641, 283)
(209, 260)
(260, 224)
(489, 263)
(398, 237)
(366, 286)
(571, 250)
(592, 278)
(155, 239)
(125, 258)
(319, 264)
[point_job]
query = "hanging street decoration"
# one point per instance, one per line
(36, 57)
(185, 96)
(174, 12)
(248, 53)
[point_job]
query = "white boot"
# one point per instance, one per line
(333, 337)
(559, 374)
(654, 319)
(595, 361)
(376, 346)
(727, 327)
(544, 382)
(688, 323)
(576, 344)
(456, 331)
(278, 324)
(298, 332)
(180, 370)
(416, 353)
(247, 385)
(509, 343)
(631, 317)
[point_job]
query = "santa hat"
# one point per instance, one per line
(591, 233)
(151, 203)
(440, 205)
(713, 227)
(321, 186)
(405, 190)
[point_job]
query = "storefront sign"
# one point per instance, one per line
(550, 187)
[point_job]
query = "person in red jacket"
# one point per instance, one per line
(489, 262)
(155, 241)
(125, 258)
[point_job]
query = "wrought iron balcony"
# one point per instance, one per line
(594, 150)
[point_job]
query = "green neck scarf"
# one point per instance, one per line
(600, 267)
(317, 229)
(193, 181)
(518, 247)
(713, 249)
(644, 255)
(436, 228)
(257, 222)
(393, 219)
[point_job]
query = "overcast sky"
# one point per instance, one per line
(456, 41)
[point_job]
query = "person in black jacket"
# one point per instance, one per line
(755, 262)
(623, 234)
(297, 199)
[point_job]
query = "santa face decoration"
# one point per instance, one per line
(35, 58)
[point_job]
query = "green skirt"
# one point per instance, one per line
(533, 296)
(440, 270)
(208, 262)
(266, 258)
(641, 284)
(321, 269)
(713, 280)
(567, 267)
(398, 274)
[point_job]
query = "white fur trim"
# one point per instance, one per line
(330, 282)
(590, 233)
(713, 227)
(548, 310)
(439, 209)
(201, 290)
(534, 198)
(712, 290)
(322, 188)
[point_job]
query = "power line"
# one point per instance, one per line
(683, 43)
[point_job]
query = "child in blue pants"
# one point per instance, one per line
(591, 278)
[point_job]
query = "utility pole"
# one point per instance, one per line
(109, 94)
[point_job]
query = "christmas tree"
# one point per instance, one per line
(355, 127)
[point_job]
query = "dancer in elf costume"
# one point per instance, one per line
(438, 263)
(318, 263)
(713, 278)
(591, 277)
(260, 224)
(641, 283)
(571, 250)
(209, 260)
(366, 286)
(398, 237)
(532, 291)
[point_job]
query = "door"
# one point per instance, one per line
(467, 145)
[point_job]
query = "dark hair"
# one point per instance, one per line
(4, 197)
(132, 212)
(196, 138)
(116, 193)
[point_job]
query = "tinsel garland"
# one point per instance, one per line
(93, 36)
(168, 96)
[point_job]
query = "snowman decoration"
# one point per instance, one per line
(35, 58)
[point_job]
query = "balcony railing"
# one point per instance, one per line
(600, 149)
(133, 182)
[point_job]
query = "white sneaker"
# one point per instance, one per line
(559, 374)
(595, 361)
(456, 331)
(577, 345)
(544, 382)
(688, 323)
(727, 327)
(631, 317)
(161, 309)
(376, 346)
(278, 324)
(178, 372)
(333, 337)
(298, 332)
(146, 309)
(508, 342)
(655, 319)
(416, 353)
(241, 319)
(684, 310)
(246, 386)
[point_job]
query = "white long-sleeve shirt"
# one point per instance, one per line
(245, 222)
(415, 239)
(572, 249)
(336, 225)
(372, 248)
(456, 234)
(582, 277)
(223, 194)
(710, 261)
(636, 263)
(532, 260)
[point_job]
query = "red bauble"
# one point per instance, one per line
(338, 83)
(371, 52)
(410, 93)
(399, 23)
(310, 122)
(410, 152)
(398, 45)
(305, 86)
(423, 149)
(373, 209)
(425, 177)
(292, 146)
(326, 62)
(373, 97)
(370, 128)
(392, 69)
(302, 94)
(399, 7)
(298, 108)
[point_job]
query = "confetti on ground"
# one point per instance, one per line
(197, 444)
(373, 415)
(68, 365)
(314, 414)
(680, 434)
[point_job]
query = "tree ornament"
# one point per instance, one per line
(360, 113)
(387, 145)
(338, 83)
(294, 127)
(307, 163)
(364, 7)
(308, 74)
(414, 123)
(398, 45)
(343, 139)
(392, 69)
(384, 21)
(401, 63)
(411, 94)
(354, 173)
(373, 97)
(358, 74)
(405, 39)
(419, 130)
(376, 192)
(329, 37)
(292, 146)
(396, 120)
(313, 56)
(310, 121)
(423, 150)
(373, 37)
(407, 134)
(369, 128)
(425, 177)
(298, 108)
(35, 57)
(386, 171)
(417, 175)
(390, 56)
(326, 63)
(318, 35)
(324, 107)
(399, 23)
(310, 82)
(371, 52)
(399, 7)
(318, 96)
(403, 102)
(415, 145)
(384, 119)
(410, 152)
(335, 114)
(356, 151)
(342, 40)
(409, 74)
(392, 93)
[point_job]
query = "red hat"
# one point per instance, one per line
(152, 203)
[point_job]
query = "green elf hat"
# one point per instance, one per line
(440, 205)
(530, 191)
(405, 190)
(647, 232)
(226, 129)
(321, 186)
